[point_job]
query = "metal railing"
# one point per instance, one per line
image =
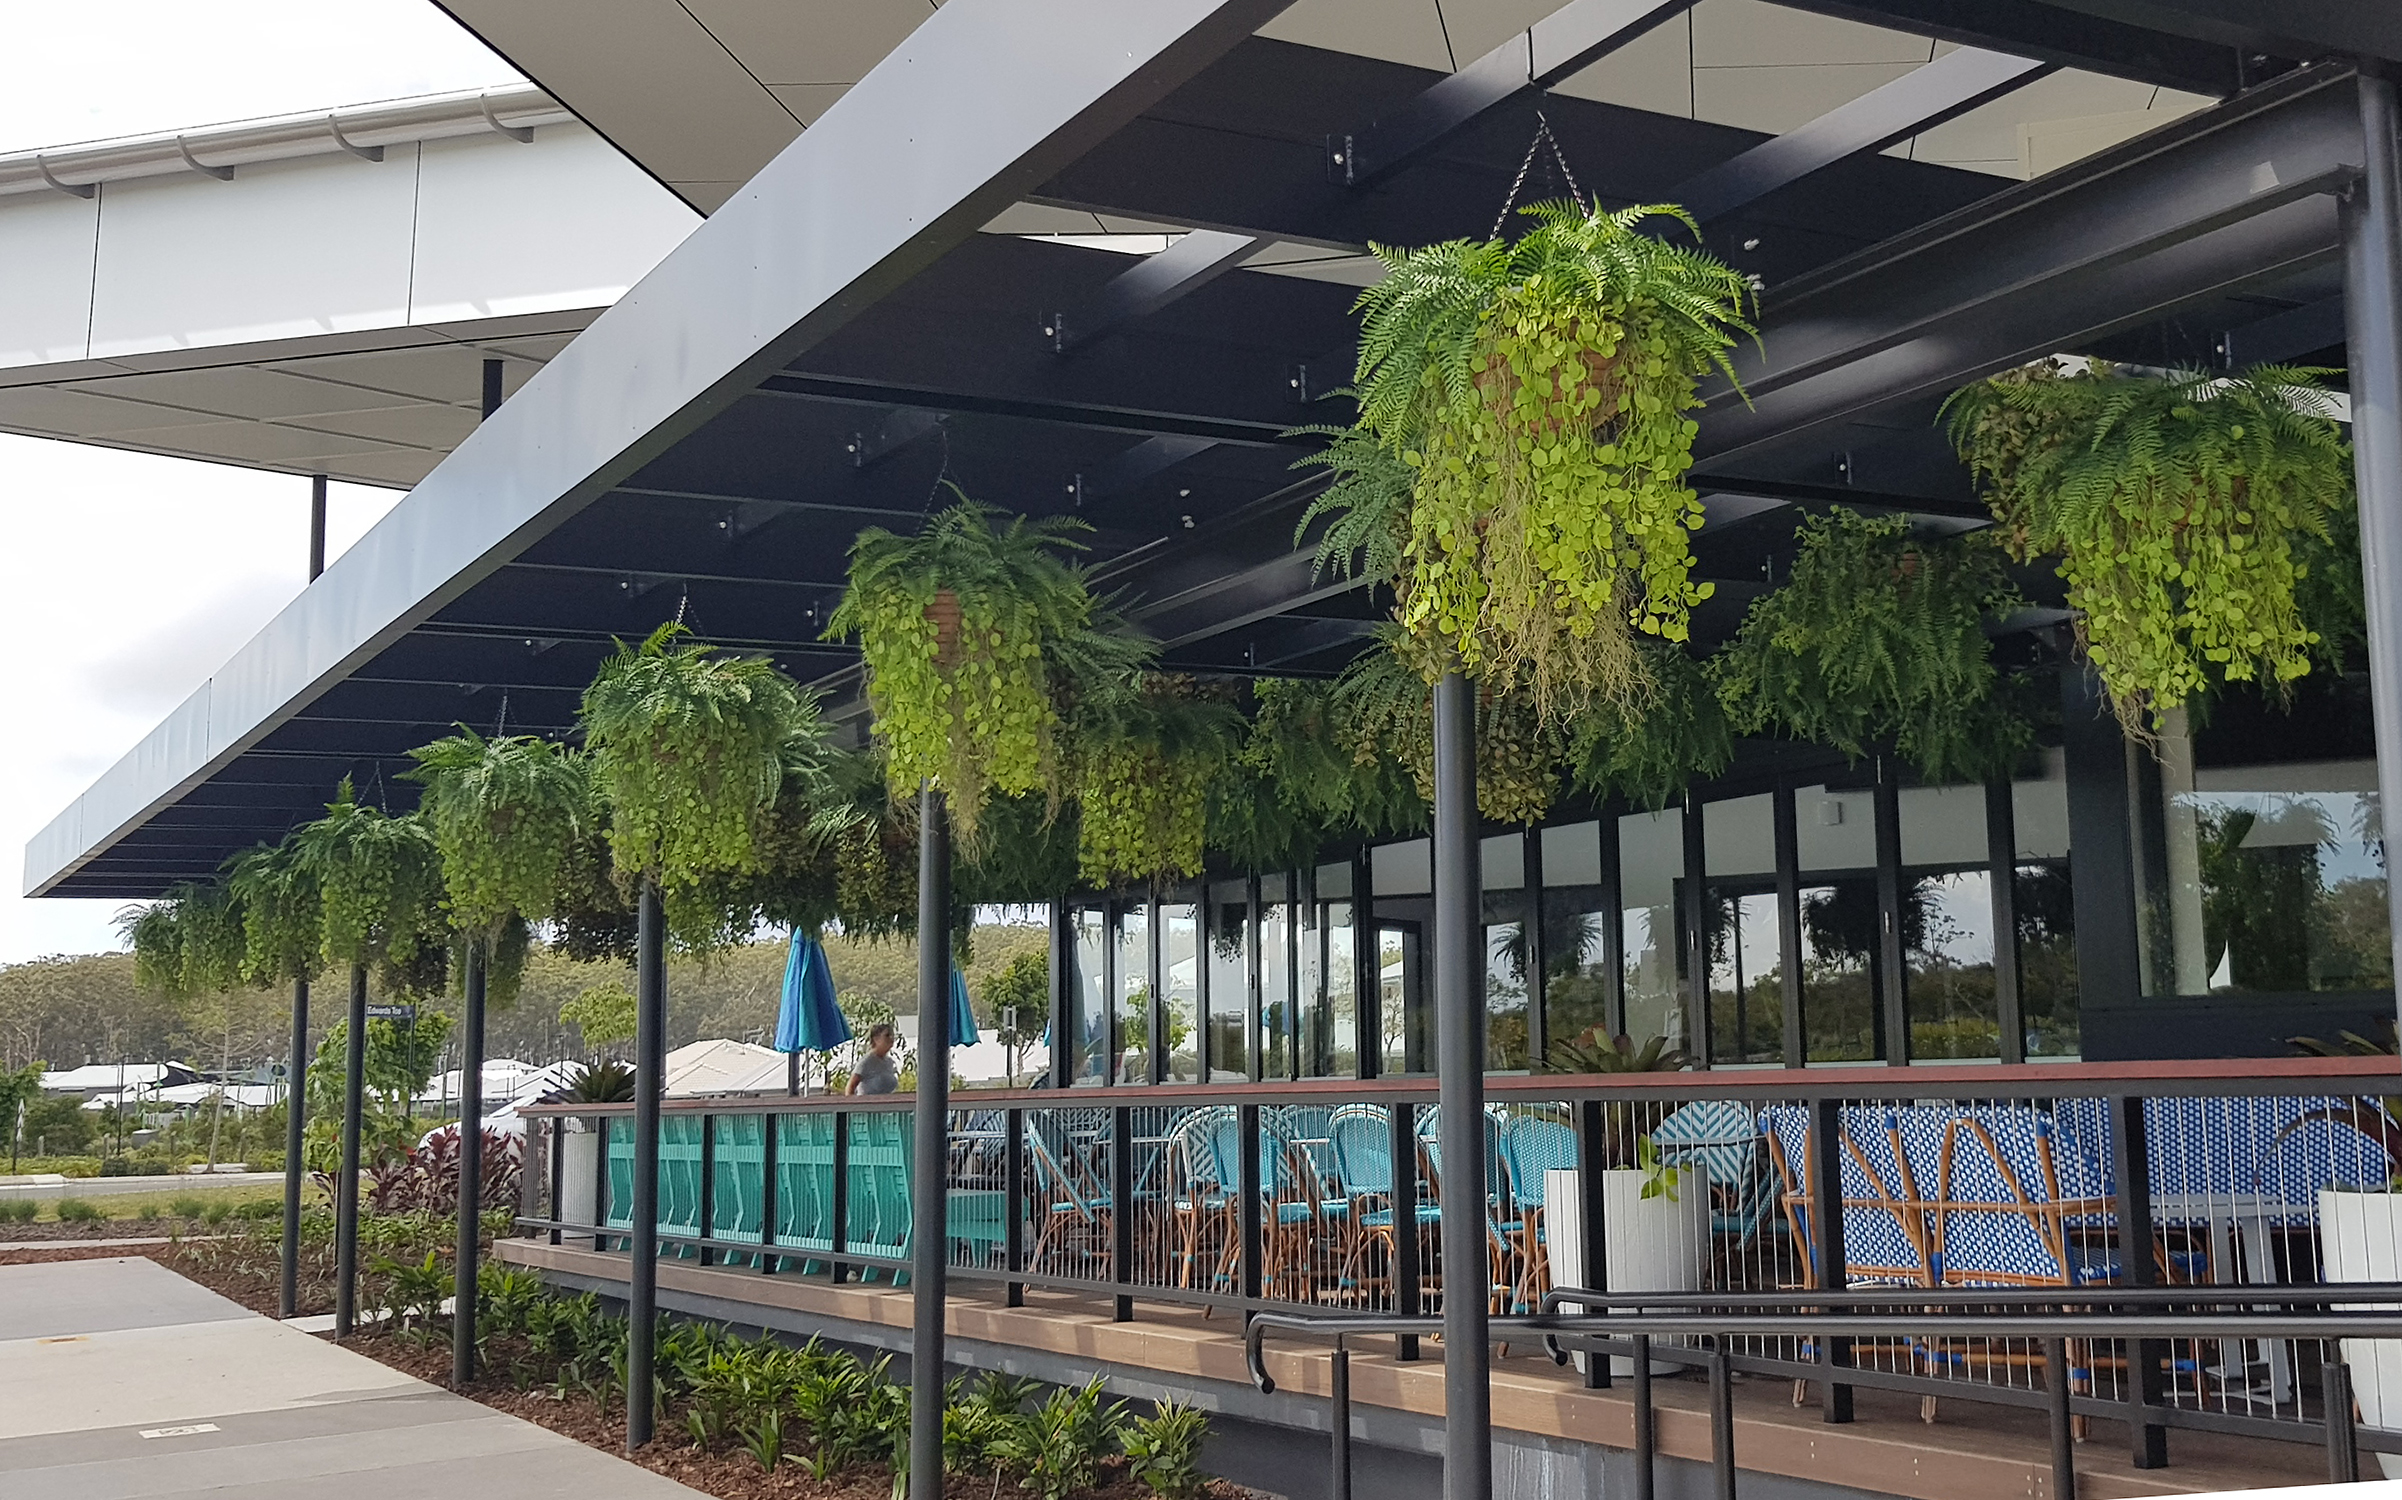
(1956, 1186)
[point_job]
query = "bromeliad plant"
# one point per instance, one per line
(968, 628)
(1537, 392)
(1879, 636)
(2178, 506)
(690, 749)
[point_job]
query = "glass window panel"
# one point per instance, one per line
(1088, 996)
(2047, 960)
(1739, 837)
(1747, 1008)
(1575, 948)
(1948, 944)
(1337, 1053)
(1835, 830)
(1505, 997)
(1401, 998)
(1651, 864)
(1309, 1027)
(1943, 825)
(1180, 954)
(1572, 855)
(2039, 811)
(1503, 857)
(1334, 882)
(1402, 869)
(1133, 1052)
(1839, 946)
(2272, 878)
(1229, 983)
(1275, 979)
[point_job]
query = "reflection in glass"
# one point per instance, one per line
(1088, 996)
(1180, 953)
(2047, 960)
(1947, 930)
(1575, 948)
(1275, 979)
(1505, 997)
(1229, 983)
(1133, 1017)
(1747, 1005)
(1651, 864)
(1839, 965)
(1400, 1001)
(1334, 1047)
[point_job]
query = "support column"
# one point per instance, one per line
(929, 1186)
(346, 1186)
(650, 1069)
(296, 1095)
(471, 1165)
(316, 526)
(1460, 1062)
(2373, 337)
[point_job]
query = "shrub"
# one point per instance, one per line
(78, 1211)
(187, 1206)
(17, 1210)
(1164, 1449)
(216, 1213)
(1059, 1449)
(147, 1213)
(261, 1208)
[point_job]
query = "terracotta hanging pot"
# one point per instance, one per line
(944, 613)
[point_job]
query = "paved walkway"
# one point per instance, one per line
(45, 1191)
(120, 1380)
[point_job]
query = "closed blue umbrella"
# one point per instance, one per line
(808, 1020)
(963, 1016)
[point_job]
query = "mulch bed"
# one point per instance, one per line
(96, 1229)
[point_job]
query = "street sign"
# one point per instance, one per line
(377, 1012)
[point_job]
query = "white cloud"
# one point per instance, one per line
(124, 581)
(107, 68)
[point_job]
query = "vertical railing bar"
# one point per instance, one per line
(1408, 1299)
(1338, 1478)
(1247, 1182)
(1121, 1204)
(771, 1128)
(1013, 1200)
(838, 1237)
(1591, 1162)
(1647, 1431)
(2343, 1449)
(2063, 1432)
(708, 1195)
(1826, 1225)
(2132, 1159)
(1722, 1423)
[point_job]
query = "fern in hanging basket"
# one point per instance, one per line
(1649, 758)
(379, 888)
(1538, 393)
(962, 627)
(188, 942)
(283, 916)
(1386, 709)
(508, 815)
(1302, 746)
(689, 748)
(1879, 636)
(2178, 506)
(1147, 752)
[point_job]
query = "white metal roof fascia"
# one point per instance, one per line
(280, 138)
(981, 103)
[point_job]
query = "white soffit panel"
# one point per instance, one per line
(46, 248)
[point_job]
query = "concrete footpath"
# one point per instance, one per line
(48, 1191)
(119, 1379)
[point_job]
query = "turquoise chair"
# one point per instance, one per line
(1531, 1146)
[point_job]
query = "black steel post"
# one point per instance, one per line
(296, 1109)
(2343, 1448)
(1789, 921)
(1613, 927)
(2131, 1161)
(1647, 1427)
(2372, 223)
(708, 1205)
(1592, 1159)
(1538, 956)
(346, 1187)
(1893, 997)
(1826, 1244)
(316, 526)
(1694, 906)
(555, 1132)
(650, 1070)
(491, 387)
(1338, 1474)
(1722, 1423)
(2001, 867)
(1460, 1062)
(1367, 987)
(929, 1181)
(2064, 1437)
(1247, 1183)
(838, 1236)
(1013, 1200)
(1121, 1219)
(471, 1166)
(1408, 1274)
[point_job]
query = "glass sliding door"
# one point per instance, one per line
(1229, 1055)
(1180, 981)
(1835, 839)
(1651, 863)
(1947, 925)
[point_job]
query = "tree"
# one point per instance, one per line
(1017, 1002)
(17, 1090)
(603, 1014)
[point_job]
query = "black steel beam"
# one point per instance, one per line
(1921, 99)
(2220, 199)
(1181, 269)
(2286, 336)
(1131, 468)
(2065, 34)
(2288, 28)
(1563, 43)
(897, 429)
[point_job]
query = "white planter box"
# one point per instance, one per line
(2360, 1239)
(579, 1183)
(1653, 1244)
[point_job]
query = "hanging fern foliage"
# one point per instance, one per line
(1366, 508)
(1386, 709)
(508, 815)
(188, 942)
(1307, 751)
(2178, 506)
(1147, 751)
(1651, 757)
(1538, 393)
(379, 886)
(1027, 855)
(965, 628)
(689, 748)
(283, 917)
(1879, 637)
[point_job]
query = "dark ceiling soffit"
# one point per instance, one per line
(1183, 268)
(1920, 99)
(1131, 468)
(1131, 420)
(939, 138)
(1560, 45)
(1929, 291)
(2285, 336)
(2279, 28)
(2034, 28)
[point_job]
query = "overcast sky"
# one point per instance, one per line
(125, 579)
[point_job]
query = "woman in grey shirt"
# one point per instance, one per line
(877, 1073)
